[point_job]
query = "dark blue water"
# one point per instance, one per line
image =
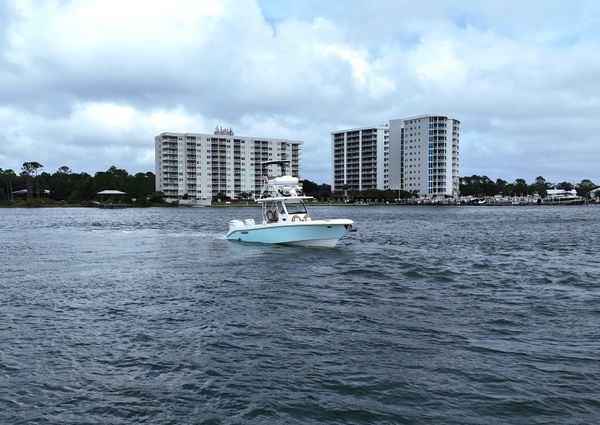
(429, 315)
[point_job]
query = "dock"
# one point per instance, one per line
(103, 205)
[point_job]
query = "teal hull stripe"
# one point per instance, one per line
(288, 234)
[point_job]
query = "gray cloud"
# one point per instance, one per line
(88, 84)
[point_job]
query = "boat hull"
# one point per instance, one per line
(318, 233)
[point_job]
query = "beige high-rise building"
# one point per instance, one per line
(194, 168)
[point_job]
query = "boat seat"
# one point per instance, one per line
(272, 216)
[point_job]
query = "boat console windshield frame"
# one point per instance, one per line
(279, 211)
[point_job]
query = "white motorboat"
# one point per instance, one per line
(285, 219)
(563, 197)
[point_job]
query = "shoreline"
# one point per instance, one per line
(315, 204)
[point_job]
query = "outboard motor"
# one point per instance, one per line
(235, 223)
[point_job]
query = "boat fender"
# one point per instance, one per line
(296, 218)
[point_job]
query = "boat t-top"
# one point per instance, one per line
(285, 219)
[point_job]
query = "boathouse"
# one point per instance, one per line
(111, 198)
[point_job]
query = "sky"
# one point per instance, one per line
(89, 83)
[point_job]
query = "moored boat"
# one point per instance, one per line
(563, 197)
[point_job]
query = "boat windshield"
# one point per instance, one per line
(295, 207)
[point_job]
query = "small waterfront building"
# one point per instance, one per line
(595, 193)
(193, 168)
(111, 194)
(20, 192)
(23, 192)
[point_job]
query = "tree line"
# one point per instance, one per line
(323, 192)
(65, 185)
(33, 182)
(480, 186)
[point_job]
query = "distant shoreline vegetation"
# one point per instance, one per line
(33, 186)
(480, 186)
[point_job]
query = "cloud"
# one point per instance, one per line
(94, 137)
(90, 83)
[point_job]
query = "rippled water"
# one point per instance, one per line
(424, 315)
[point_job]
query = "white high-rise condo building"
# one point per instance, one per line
(417, 154)
(424, 155)
(359, 158)
(194, 168)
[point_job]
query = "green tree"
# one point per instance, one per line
(471, 186)
(140, 186)
(113, 178)
(509, 190)
(8, 181)
(540, 186)
(64, 170)
(309, 186)
(583, 188)
(565, 186)
(319, 191)
(220, 197)
(500, 186)
(521, 188)
(28, 170)
(83, 187)
(477, 186)
(489, 187)
(62, 184)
